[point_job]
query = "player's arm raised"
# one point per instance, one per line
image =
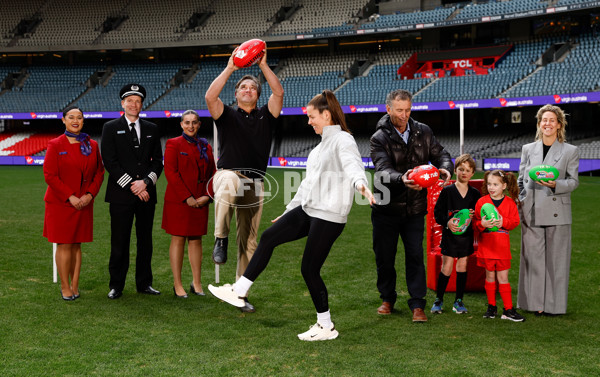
(276, 100)
(213, 102)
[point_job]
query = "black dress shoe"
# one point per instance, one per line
(114, 294)
(76, 295)
(193, 291)
(149, 291)
(67, 298)
(545, 314)
(248, 308)
(220, 251)
(176, 295)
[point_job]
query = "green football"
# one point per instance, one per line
(462, 220)
(543, 173)
(489, 212)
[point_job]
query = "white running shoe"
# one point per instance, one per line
(227, 294)
(318, 332)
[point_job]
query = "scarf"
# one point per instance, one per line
(84, 142)
(201, 143)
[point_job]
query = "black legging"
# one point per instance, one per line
(290, 227)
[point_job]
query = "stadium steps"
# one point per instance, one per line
(564, 56)
(107, 76)
(184, 35)
(20, 81)
(502, 94)
(372, 64)
(451, 16)
(99, 38)
(189, 78)
(348, 81)
(427, 86)
(166, 93)
(79, 96)
(183, 76)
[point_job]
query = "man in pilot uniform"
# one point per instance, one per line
(132, 155)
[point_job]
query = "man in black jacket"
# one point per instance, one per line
(132, 155)
(400, 144)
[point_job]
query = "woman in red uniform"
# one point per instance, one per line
(189, 166)
(74, 173)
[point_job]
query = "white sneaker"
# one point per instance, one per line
(227, 294)
(318, 332)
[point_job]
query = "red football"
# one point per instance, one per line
(424, 175)
(249, 53)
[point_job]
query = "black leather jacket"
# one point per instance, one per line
(392, 157)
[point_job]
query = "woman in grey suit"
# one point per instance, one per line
(546, 217)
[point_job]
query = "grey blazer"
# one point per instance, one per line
(542, 206)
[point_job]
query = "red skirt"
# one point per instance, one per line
(65, 224)
(179, 219)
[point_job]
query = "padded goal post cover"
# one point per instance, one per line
(475, 275)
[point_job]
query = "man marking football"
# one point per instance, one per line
(244, 139)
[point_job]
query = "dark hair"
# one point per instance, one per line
(327, 101)
(253, 78)
(69, 108)
(506, 177)
(398, 95)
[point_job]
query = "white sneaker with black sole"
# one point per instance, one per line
(318, 332)
(227, 294)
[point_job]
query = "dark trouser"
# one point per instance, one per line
(386, 230)
(294, 225)
(121, 221)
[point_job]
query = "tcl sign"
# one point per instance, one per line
(465, 63)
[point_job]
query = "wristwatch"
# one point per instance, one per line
(147, 181)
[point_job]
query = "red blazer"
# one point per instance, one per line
(71, 173)
(187, 174)
(496, 245)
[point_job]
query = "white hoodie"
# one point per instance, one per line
(333, 171)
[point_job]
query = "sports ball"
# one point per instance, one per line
(249, 53)
(543, 173)
(463, 220)
(424, 175)
(489, 211)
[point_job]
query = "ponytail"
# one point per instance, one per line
(512, 186)
(328, 101)
(506, 177)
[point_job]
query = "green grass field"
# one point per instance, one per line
(140, 335)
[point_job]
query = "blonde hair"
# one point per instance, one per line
(560, 117)
(464, 159)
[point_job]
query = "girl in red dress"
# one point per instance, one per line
(493, 250)
(189, 167)
(74, 172)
